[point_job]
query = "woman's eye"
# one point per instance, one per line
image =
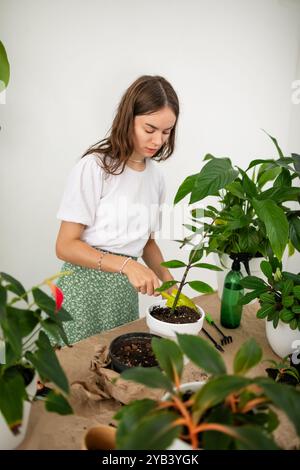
(151, 132)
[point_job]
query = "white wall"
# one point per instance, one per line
(231, 62)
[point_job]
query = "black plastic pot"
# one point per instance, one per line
(120, 342)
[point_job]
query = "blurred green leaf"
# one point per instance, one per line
(201, 353)
(247, 357)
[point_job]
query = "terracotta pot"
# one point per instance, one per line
(101, 437)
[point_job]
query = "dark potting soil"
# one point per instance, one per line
(181, 314)
(134, 352)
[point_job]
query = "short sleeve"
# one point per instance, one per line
(82, 192)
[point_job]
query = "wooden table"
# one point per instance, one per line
(51, 431)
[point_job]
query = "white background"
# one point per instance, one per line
(232, 63)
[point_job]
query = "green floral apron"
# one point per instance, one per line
(96, 300)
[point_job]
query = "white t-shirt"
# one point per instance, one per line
(119, 211)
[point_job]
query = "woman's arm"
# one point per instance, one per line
(70, 247)
(152, 256)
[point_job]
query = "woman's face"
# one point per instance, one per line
(151, 131)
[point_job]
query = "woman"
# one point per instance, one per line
(110, 209)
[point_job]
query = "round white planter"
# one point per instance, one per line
(8, 440)
(283, 340)
(169, 330)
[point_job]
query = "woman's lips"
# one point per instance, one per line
(151, 150)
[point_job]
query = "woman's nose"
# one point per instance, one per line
(157, 140)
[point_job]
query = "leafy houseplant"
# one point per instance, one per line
(250, 219)
(28, 348)
(227, 412)
(279, 300)
(284, 372)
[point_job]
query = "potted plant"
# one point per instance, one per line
(249, 219)
(279, 300)
(229, 411)
(284, 372)
(178, 314)
(24, 318)
(132, 350)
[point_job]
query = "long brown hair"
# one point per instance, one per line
(146, 95)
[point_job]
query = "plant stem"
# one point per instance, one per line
(187, 269)
(32, 335)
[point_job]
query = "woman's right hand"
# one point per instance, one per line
(143, 279)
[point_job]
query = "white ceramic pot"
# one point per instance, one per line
(283, 340)
(8, 440)
(169, 330)
(178, 444)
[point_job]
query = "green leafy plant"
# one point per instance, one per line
(24, 315)
(193, 262)
(230, 411)
(284, 371)
(279, 297)
(249, 218)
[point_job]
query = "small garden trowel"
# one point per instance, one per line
(182, 301)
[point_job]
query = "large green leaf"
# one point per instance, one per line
(259, 161)
(4, 68)
(26, 320)
(151, 377)
(46, 363)
(174, 263)
(296, 160)
(57, 403)
(268, 175)
(280, 153)
(169, 356)
(185, 188)
(294, 231)
(14, 285)
(129, 417)
(216, 390)
(248, 185)
(47, 304)
(212, 267)
(253, 282)
(166, 285)
(275, 222)
(266, 268)
(201, 286)
(252, 438)
(285, 398)
(215, 175)
(247, 357)
(12, 334)
(12, 396)
(153, 433)
(201, 353)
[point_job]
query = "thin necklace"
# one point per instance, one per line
(136, 161)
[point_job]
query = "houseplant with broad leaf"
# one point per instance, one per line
(228, 412)
(279, 305)
(24, 318)
(248, 218)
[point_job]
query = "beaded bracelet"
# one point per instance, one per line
(103, 253)
(123, 265)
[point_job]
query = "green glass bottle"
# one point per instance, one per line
(231, 310)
